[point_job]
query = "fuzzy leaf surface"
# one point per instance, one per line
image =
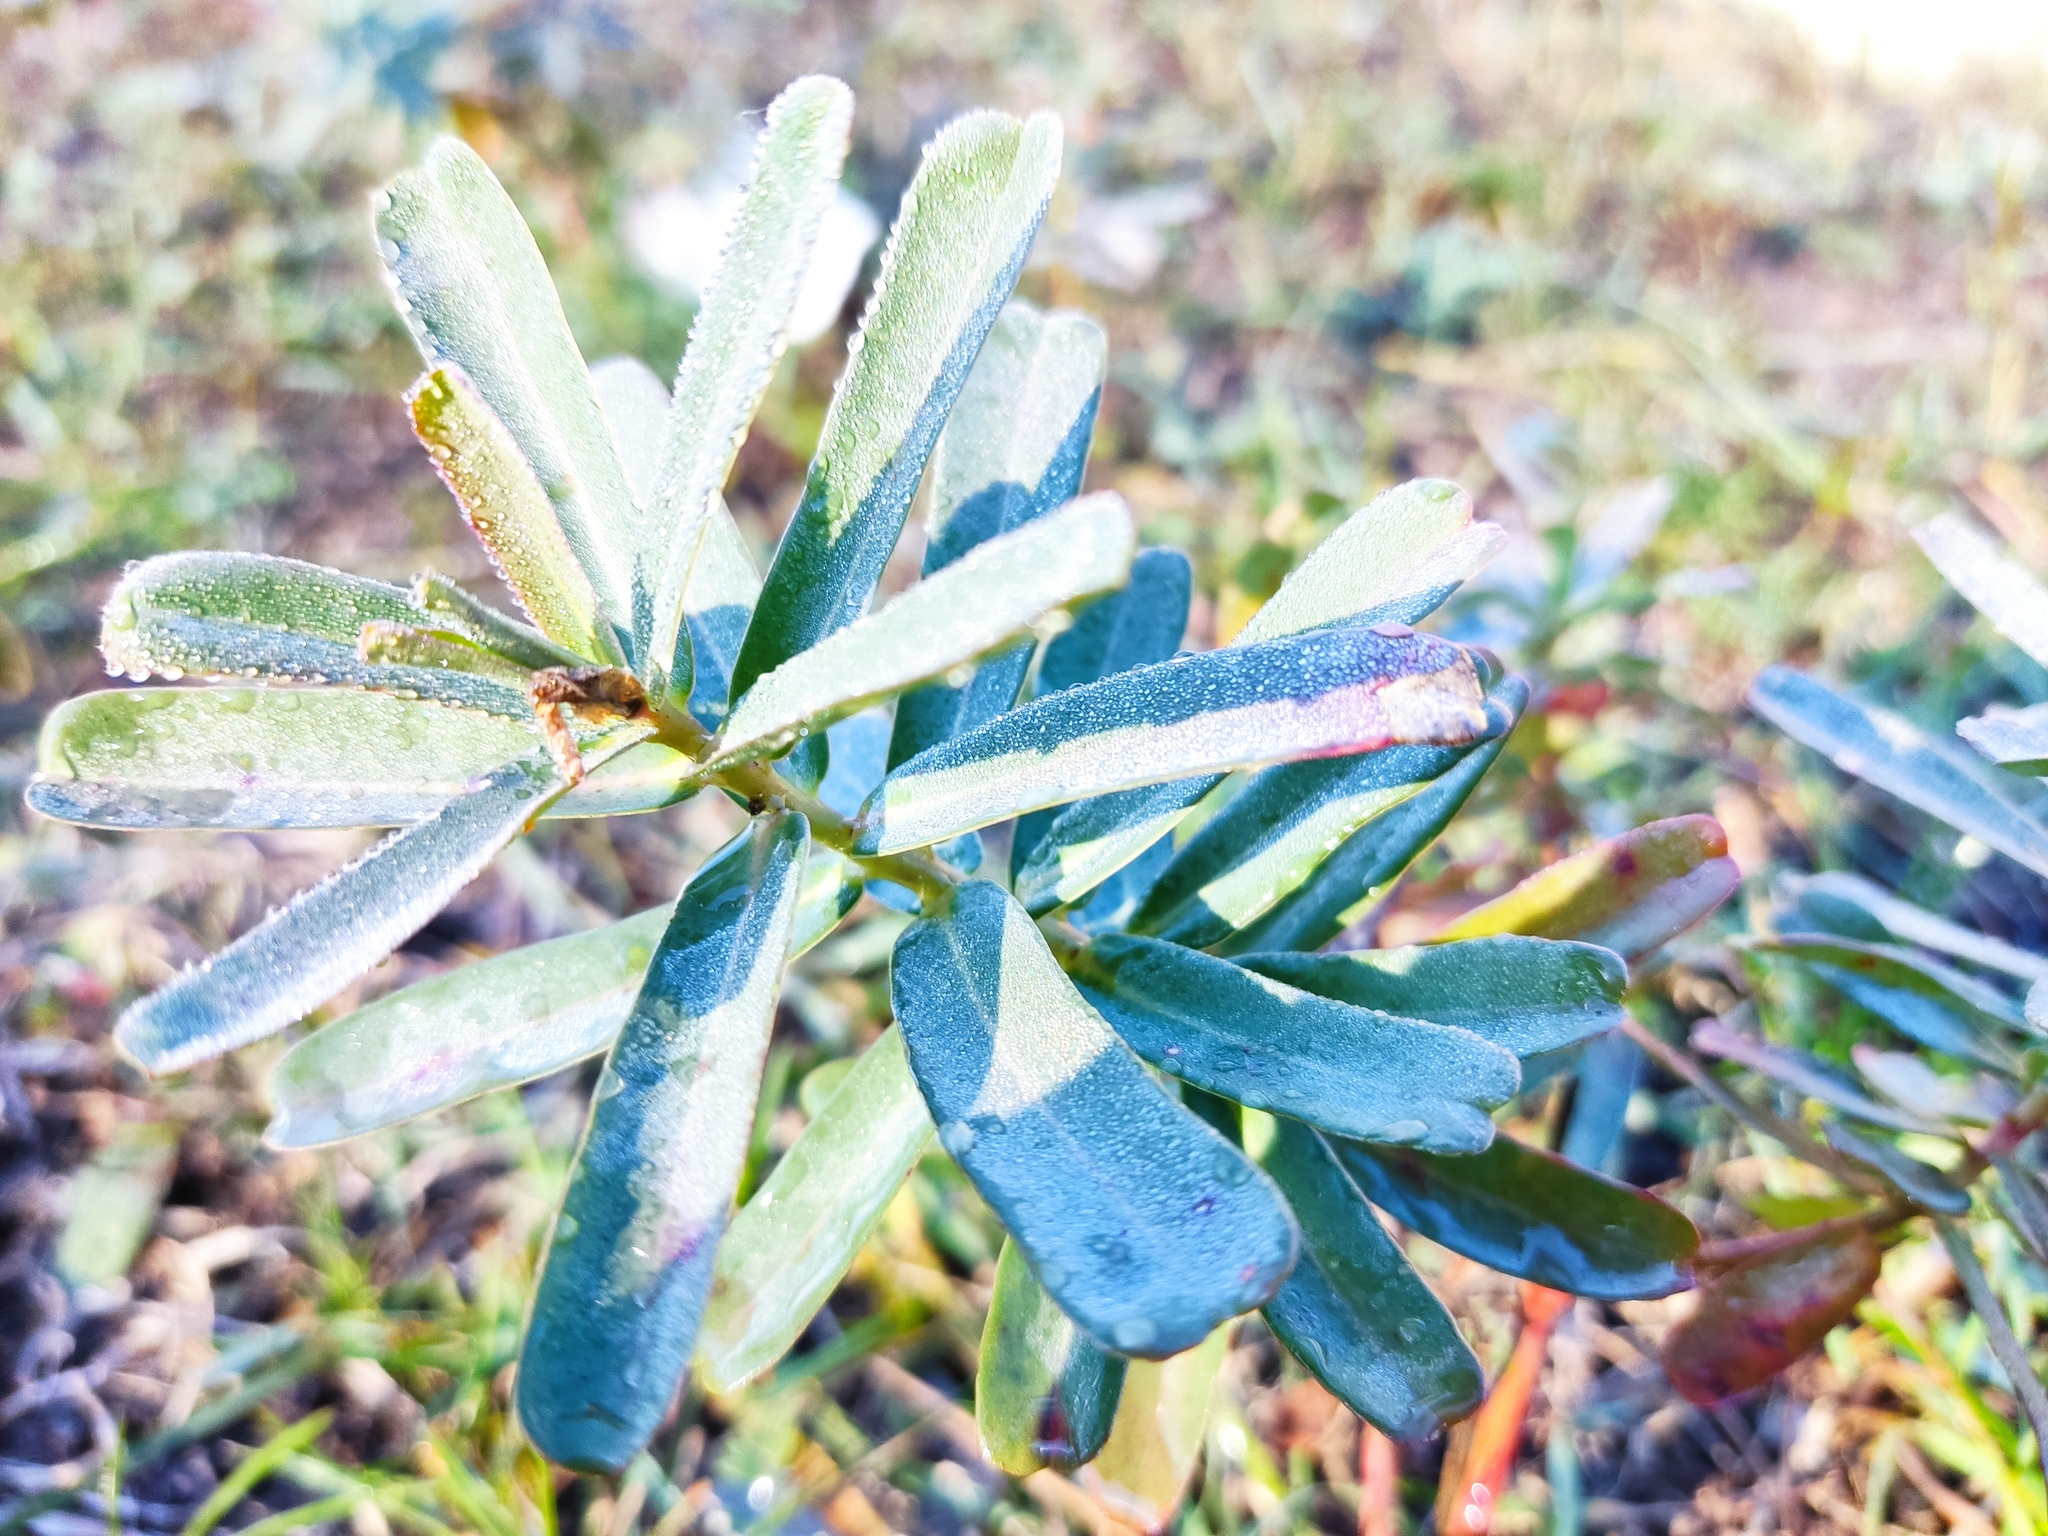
(793, 1241)
(629, 1262)
(495, 1023)
(1525, 995)
(966, 224)
(1324, 694)
(974, 605)
(1045, 1394)
(1145, 1225)
(1533, 1215)
(1899, 758)
(1350, 1070)
(1353, 1311)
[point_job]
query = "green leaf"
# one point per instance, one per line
(1897, 757)
(1145, 1225)
(1353, 1311)
(498, 1022)
(629, 1262)
(1273, 834)
(1908, 1175)
(1045, 1393)
(1143, 623)
(1525, 995)
(226, 615)
(1160, 1425)
(300, 956)
(1013, 450)
(1628, 894)
(740, 330)
(453, 608)
(717, 605)
(261, 758)
(2015, 739)
(1367, 864)
(972, 606)
(1392, 562)
(1932, 1003)
(1903, 921)
(966, 223)
(2003, 591)
(508, 510)
(1322, 694)
(635, 406)
(1533, 1215)
(474, 291)
(1345, 1069)
(383, 643)
(790, 1244)
(1806, 1074)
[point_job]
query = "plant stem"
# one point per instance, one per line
(1990, 1310)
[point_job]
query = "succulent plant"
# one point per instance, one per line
(1179, 1111)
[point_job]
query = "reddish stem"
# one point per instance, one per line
(1497, 1428)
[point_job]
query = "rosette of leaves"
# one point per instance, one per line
(1935, 1117)
(1178, 1111)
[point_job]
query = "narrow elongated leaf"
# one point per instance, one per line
(508, 510)
(1908, 1175)
(1628, 894)
(635, 406)
(1909, 924)
(1905, 1078)
(1897, 757)
(2003, 591)
(1392, 562)
(229, 615)
(1075, 850)
(1533, 1215)
(1315, 695)
(1012, 451)
(300, 956)
(790, 1244)
(1353, 1311)
(453, 608)
(966, 223)
(629, 1261)
(1367, 864)
(258, 758)
(1525, 995)
(474, 292)
(1932, 1003)
(740, 330)
(1145, 1225)
(499, 1022)
(403, 645)
(1350, 1070)
(1273, 834)
(1143, 623)
(1161, 1422)
(717, 605)
(987, 597)
(1045, 1394)
(2015, 739)
(1806, 1074)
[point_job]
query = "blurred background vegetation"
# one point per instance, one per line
(1706, 321)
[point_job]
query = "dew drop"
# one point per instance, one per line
(1403, 1130)
(957, 1137)
(1134, 1333)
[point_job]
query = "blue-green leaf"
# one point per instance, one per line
(790, 1244)
(629, 1261)
(1143, 623)
(953, 257)
(1533, 1215)
(1160, 1429)
(1825, 897)
(1935, 1004)
(227, 615)
(499, 1022)
(1908, 1175)
(229, 757)
(2002, 590)
(1525, 995)
(2015, 739)
(1350, 1070)
(300, 956)
(1322, 694)
(474, 291)
(1145, 1225)
(1804, 1073)
(1353, 1311)
(741, 327)
(987, 597)
(1274, 833)
(1885, 750)
(1367, 864)
(1045, 1394)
